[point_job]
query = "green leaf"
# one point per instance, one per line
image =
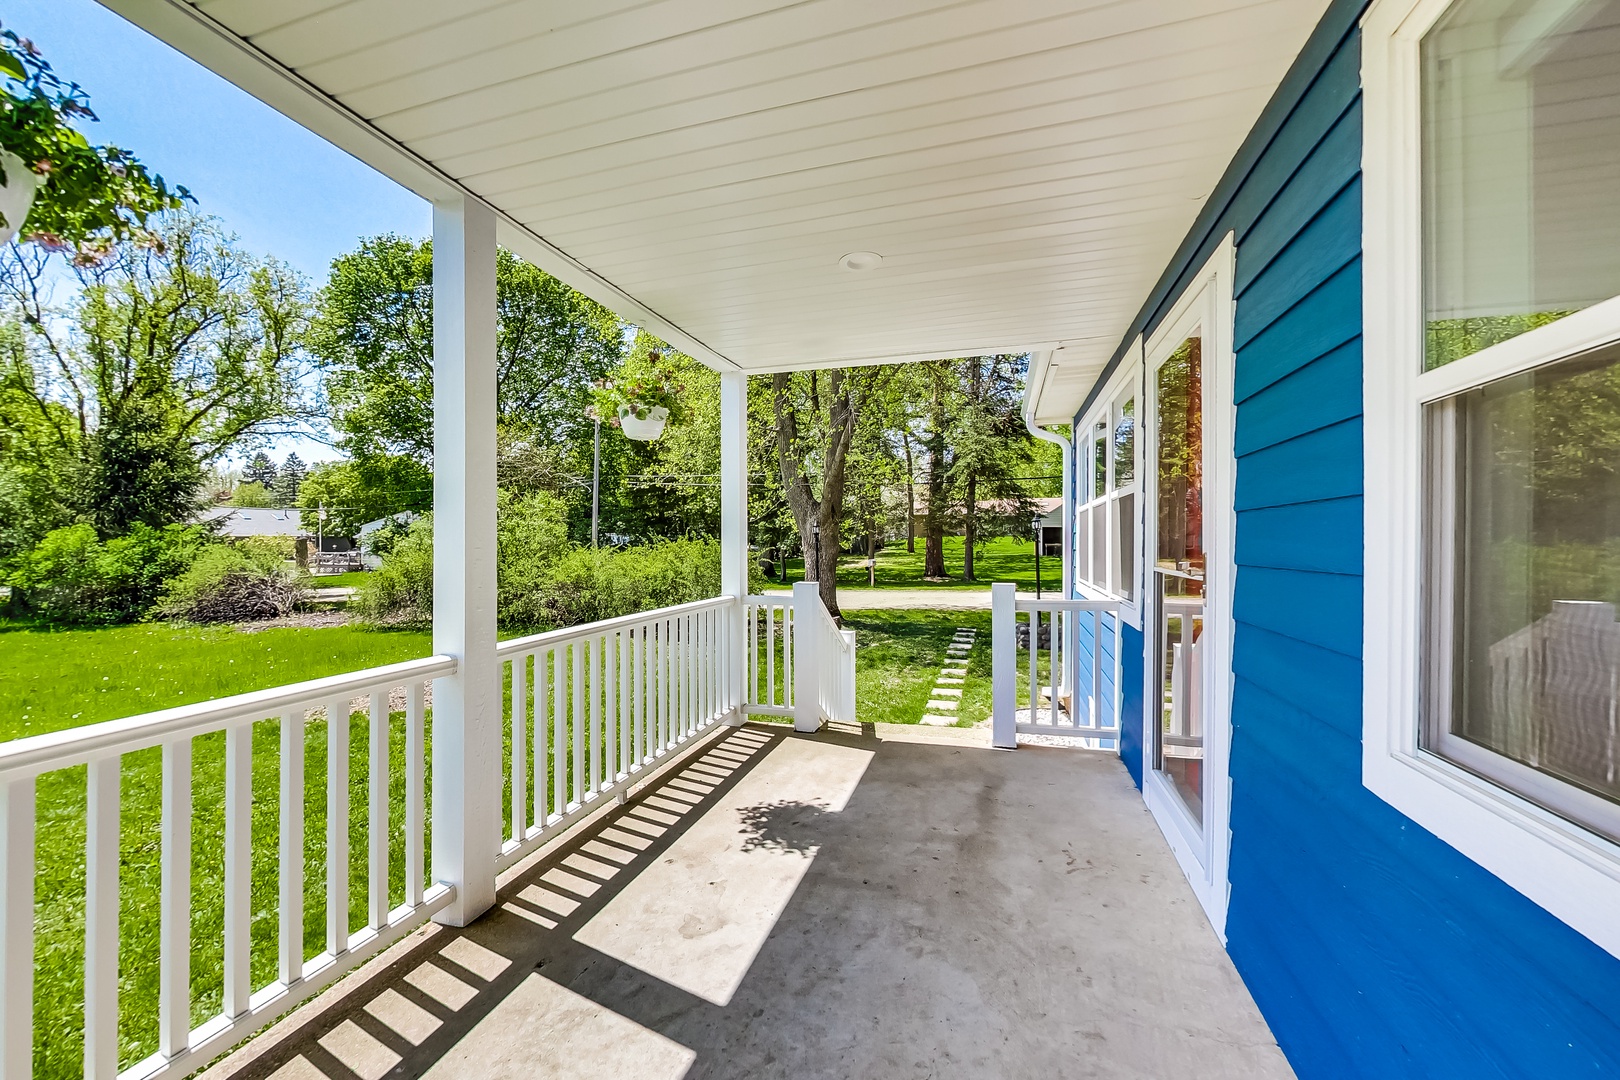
(10, 65)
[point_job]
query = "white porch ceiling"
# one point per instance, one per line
(1024, 167)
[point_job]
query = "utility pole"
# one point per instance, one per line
(596, 478)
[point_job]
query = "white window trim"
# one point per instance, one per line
(1570, 871)
(1126, 382)
(1203, 853)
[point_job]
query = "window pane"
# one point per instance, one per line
(1521, 161)
(1125, 546)
(1179, 572)
(1125, 445)
(1535, 576)
(1099, 454)
(1082, 546)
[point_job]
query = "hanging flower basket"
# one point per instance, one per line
(16, 193)
(643, 428)
(639, 399)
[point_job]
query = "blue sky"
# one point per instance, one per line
(284, 191)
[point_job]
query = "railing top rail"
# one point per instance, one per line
(551, 638)
(779, 599)
(76, 746)
(1029, 603)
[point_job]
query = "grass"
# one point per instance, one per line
(898, 655)
(1001, 559)
(56, 679)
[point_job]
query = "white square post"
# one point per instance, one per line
(734, 530)
(807, 656)
(467, 705)
(1004, 665)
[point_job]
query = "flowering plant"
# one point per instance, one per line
(90, 197)
(636, 389)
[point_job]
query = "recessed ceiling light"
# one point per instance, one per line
(860, 260)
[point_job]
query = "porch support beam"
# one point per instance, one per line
(466, 705)
(734, 525)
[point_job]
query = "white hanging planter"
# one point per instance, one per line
(643, 430)
(16, 193)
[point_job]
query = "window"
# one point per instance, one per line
(1492, 594)
(1105, 532)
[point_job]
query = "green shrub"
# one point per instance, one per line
(72, 576)
(401, 589)
(235, 583)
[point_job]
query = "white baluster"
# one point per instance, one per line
(378, 824)
(17, 929)
(174, 902)
(415, 802)
(238, 867)
(337, 826)
(520, 748)
(292, 846)
(577, 785)
(539, 739)
(559, 732)
(102, 827)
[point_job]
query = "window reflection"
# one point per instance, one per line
(1179, 571)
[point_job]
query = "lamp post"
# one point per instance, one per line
(1037, 556)
(815, 536)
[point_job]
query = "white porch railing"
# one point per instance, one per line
(592, 707)
(589, 711)
(807, 661)
(299, 712)
(1072, 693)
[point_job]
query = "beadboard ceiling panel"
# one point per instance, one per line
(1025, 168)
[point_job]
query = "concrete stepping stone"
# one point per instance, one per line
(946, 692)
(948, 706)
(935, 720)
(945, 680)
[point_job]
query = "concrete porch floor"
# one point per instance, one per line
(837, 905)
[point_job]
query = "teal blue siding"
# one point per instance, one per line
(1373, 949)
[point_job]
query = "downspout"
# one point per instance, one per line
(1068, 633)
(1038, 365)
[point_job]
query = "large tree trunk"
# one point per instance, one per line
(911, 496)
(808, 510)
(934, 520)
(970, 528)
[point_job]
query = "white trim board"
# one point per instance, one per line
(1203, 853)
(1570, 871)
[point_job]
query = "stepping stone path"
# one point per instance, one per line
(945, 698)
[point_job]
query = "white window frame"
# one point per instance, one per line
(1572, 872)
(1203, 852)
(1125, 385)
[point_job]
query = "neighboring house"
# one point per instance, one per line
(1356, 499)
(241, 522)
(368, 558)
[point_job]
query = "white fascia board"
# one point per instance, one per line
(217, 48)
(902, 358)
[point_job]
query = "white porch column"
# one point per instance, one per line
(466, 705)
(734, 527)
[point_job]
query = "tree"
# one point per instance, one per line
(373, 336)
(251, 493)
(288, 480)
(260, 470)
(91, 198)
(169, 355)
(816, 414)
(992, 448)
(362, 490)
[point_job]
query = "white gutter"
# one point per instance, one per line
(1039, 362)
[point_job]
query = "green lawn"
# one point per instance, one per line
(897, 657)
(1001, 559)
(55, 679)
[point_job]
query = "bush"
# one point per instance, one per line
(401, 589)
(542, 580)
(235, 583)
(72, 576)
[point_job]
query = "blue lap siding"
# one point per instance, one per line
(1372, 948)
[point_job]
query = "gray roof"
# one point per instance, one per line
(242, 521)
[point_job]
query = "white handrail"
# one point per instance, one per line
(78, 746)
(1075, 707)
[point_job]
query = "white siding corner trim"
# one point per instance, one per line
(1570, 871)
